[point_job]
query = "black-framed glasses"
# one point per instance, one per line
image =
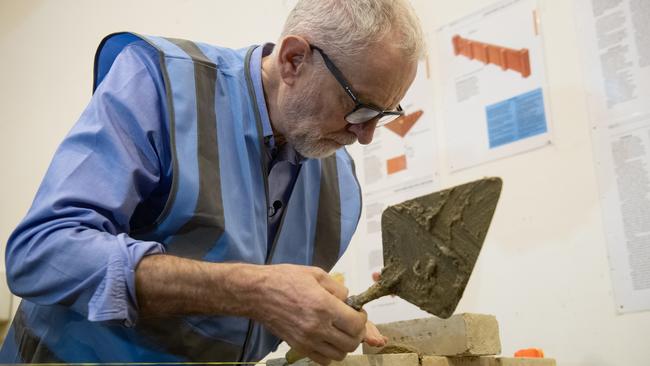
(362, 112)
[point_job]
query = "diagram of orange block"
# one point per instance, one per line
(396, 164)
(403, 124)
(506, 58)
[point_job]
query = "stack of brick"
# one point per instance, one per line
(461, 340)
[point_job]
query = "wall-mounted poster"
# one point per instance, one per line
(494, 84)
(615, 44)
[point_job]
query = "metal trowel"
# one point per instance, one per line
(431, 244)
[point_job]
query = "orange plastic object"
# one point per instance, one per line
(530, 353)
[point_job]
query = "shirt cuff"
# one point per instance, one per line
(115, 298)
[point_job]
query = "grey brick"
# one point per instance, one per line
(396, 359)
(460, 335)
(485, 361)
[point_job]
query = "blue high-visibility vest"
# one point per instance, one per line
(216, 211)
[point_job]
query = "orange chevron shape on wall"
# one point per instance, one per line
(403, 124)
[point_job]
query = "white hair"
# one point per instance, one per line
(348, 27)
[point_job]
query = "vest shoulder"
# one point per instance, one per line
(225, 59)
(174, 48)
(221, 57)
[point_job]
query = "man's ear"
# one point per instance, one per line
(294, 52)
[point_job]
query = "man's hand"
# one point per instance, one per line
(373, 336)
(304, 306)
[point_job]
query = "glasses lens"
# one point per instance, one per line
(361, 115)
(387, 119)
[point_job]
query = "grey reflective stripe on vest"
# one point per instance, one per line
(30, 347)
(143, 231)
(328, 224)
(197, 236)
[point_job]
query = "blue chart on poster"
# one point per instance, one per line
(516, 118)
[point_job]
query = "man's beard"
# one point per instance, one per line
(307, 139)
(303, 131)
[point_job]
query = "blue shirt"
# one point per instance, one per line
(283, 161)
(111, 174)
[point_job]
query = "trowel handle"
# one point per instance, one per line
(293, 356)
(375, 291)
(354, 303)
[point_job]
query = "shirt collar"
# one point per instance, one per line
(256, 75)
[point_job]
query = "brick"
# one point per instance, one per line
(522, 361)
(457, 361)
(485, 361)
(276, 362)
(396, 359)
(434, 361)
(460, 335)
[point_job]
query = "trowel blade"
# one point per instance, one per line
(432, 243)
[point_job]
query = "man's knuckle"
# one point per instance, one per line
(364, 317)
(351, 347)
(321, 307)
(340, 355)
(311, 327)
(319, 274)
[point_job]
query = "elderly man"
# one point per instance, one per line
(192, 212)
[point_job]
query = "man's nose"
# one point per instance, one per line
(364, 131)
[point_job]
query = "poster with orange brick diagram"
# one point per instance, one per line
(403, 150)
(400, 163)
(494, 84)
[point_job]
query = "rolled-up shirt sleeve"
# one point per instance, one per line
(73, 247)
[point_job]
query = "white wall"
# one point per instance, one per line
(543, 271)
